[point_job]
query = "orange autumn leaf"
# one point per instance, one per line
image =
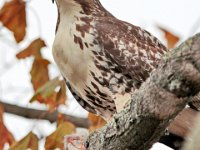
(61, 94)
(28, 142)
(171, 38)
(5, 135)
(49, 101)
(13, 16)
(47, 94)
(96, 122)
(34, 49)
(39, 72)
(61, 119)
(56, 139)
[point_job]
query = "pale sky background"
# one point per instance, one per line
(182, 17)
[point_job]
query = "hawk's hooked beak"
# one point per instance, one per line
(53, 1)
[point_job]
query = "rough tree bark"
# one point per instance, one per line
(157, 102)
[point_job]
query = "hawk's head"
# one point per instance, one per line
(70, 8)
(87, 6)
(80, 2)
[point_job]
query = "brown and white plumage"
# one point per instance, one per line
(103, 59)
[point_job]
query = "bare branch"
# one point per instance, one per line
(42, 114)
(193, 140)
(155, 104)
(183, 124)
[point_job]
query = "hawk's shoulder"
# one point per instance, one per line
(132, 48)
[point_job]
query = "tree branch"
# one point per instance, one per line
(42, 114)
(155, 104)
(193, 141)
(180, 128)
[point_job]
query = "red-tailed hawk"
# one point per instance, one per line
(103, 59)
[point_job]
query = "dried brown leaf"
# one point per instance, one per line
(171, 38)
(13, 16)
(28, 142)
(39, 72)
(47, 94)
(61, 95)
(56, 139)
(5, 135)
(96, 122)
(34, 49)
